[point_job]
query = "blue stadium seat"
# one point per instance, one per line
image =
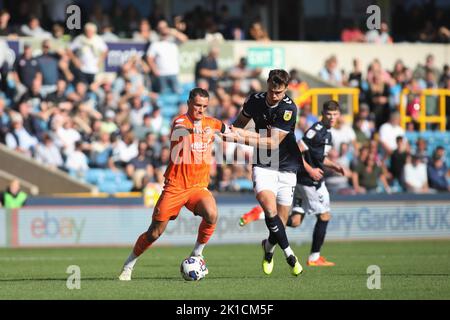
(188, 86)
(114, 176)
(94, 176)
(169, 111)
(244, 184)
(168, 99)
(108, 188)
(125, 186)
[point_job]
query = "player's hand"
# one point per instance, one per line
(316, 174)
(340, 170)
(229, 136)
(237, 131)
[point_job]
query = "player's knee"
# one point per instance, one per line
(211, 217)
(296, 220)
(267, 205)
(325, 216)
(269, 213)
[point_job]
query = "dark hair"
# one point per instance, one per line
(331, 105)
(198, 92)
(278, 77)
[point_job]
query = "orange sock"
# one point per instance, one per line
(205, 231)
(141, 245)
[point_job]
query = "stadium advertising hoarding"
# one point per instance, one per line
(115, 226)
(120, 52)
(3, 229)
(192, 51)
(266, 57)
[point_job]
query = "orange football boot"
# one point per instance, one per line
(250, 216)
(321, 262)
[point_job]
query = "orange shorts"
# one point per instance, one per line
(173, 199)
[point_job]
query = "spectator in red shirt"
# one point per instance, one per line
(352, 33)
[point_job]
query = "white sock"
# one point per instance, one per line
(131, 261)
(198, 249)
(268, 247)
(314, 256)
(288, 252)
(262, 216)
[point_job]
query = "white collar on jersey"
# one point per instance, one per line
(275, 105)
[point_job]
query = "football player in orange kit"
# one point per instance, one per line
(186, 178)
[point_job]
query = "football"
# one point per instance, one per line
(193, 269)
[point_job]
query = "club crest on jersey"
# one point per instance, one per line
(287, 115)
(310, 134)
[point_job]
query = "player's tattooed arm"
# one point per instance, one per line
(334, 166)
(251, 138)
(241, 121)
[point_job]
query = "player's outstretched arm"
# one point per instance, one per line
(254, 139)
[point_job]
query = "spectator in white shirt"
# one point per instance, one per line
(88, 52)
(123, 151)
(34, 29)
(330, 71)
(145, 32)
(379, 36)
(67, 135)
(19, 138)
(48, 153)
(389, 133)
(415, 175)
(163, 57)
(343, 133)
(77, 160)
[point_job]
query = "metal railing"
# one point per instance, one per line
(335, 93)
(423, 118)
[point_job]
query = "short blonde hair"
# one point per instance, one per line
(90, 25)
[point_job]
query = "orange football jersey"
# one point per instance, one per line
(190, 151)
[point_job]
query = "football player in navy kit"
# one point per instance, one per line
(277, 160)
(311, 195)
(314, 195)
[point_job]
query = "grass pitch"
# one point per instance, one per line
(409, 270)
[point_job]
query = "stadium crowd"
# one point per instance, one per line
(410, 21)
(58, 108)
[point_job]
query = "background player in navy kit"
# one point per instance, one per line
(311, 195)
(314, 195)
(274, 174)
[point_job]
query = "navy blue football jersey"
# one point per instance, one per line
(282, 117)
(318, 140)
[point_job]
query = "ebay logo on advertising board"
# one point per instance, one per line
(48, 226)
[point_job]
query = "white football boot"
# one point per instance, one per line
(126, 274)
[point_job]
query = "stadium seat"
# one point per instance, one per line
(125, 186)
(94, 176)
(188, 86)
(244, 184)
(114, 176)
(168, 99)
(108, 188)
